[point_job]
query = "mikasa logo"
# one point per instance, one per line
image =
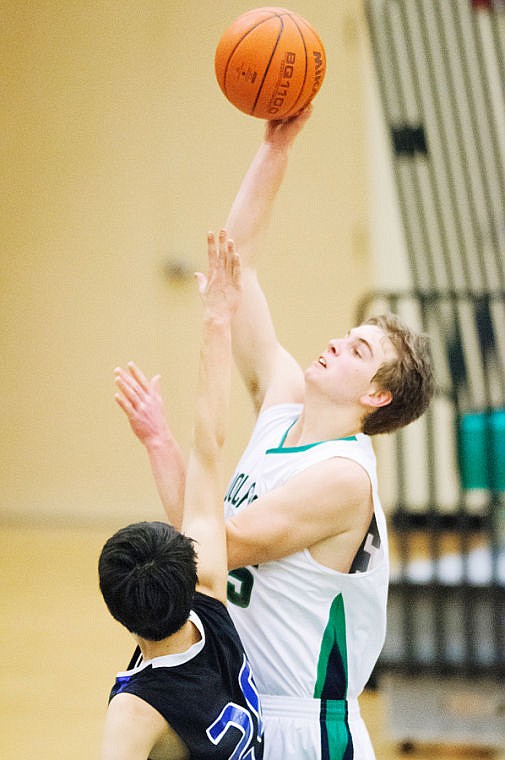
(318, 61)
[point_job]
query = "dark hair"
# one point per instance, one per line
(147, 575)
(409, 377)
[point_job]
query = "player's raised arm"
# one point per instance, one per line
(141, 401)
(203, 517)
(251, 210)
(261, 360)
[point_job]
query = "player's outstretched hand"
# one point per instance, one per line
(282, 133)
(141, 401)
(220, 289)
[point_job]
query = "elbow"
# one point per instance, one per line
(240, 551)
(208, 444)
(235, 553)
(231, 552)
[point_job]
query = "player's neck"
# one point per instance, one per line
(178, 642)
(312, 427)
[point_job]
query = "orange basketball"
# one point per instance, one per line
(270, 63)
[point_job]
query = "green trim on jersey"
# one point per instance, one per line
(331, 687)
(291, 449)
(332, 679)
(281, 449)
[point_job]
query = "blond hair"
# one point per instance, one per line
(409, 377)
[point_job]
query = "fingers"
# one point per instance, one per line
(229, 255)
(284, 131)
(217, 250)
(305, 114)
(225, 251)
(138, 375)
(220, 286)
(133, 386)
(124, 404)
(128, 398)
(226, 245)
(232, 263)
(212, 250)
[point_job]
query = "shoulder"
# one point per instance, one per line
(276, 414)
(132, 728)
(125, 706)
(338, 475)
(271, 425)
(204, 604)
(213, 614)
(349, 460)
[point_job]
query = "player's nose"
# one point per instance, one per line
(335, 345)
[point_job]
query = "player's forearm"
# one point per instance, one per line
(203, 507)
(213, 387)
(169, 472)
(251, 210)
(250, 213)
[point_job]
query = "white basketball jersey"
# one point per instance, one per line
(309, 631)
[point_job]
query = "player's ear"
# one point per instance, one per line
(377, 397)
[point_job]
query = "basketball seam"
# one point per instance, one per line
(301, 26)
(295, 21)
(245, 34)
(269, 62)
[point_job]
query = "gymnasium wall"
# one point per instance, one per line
(119, 153)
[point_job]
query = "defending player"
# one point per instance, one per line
(188, 691)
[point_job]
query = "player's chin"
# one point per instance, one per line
(316, 366)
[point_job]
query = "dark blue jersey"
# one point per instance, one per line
(206, 694)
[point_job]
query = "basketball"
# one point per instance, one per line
(270, 63)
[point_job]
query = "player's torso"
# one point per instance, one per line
(207, 695)
(308, 630)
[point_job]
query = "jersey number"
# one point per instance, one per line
(240, 585)
(236, 716)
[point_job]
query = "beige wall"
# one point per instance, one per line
(120, 152)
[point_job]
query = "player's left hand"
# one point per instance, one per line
(141, 401)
